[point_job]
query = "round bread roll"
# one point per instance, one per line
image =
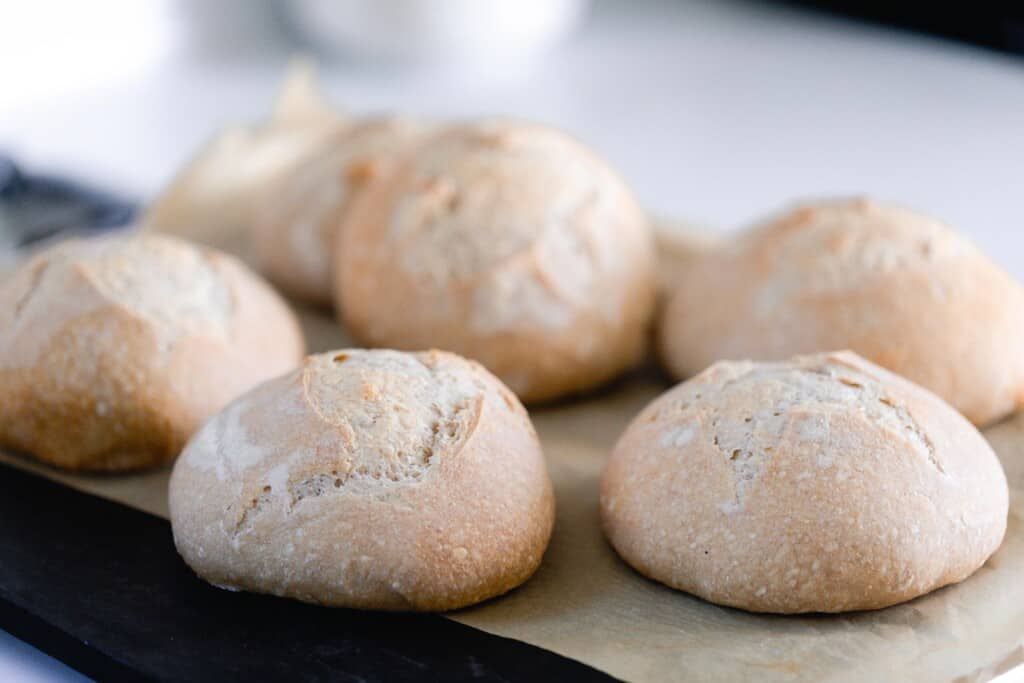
(294, 230)
(820, 484)
(367, 479)
(114, 350)
(896, 287)
(508, 243)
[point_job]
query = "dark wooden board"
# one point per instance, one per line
(100, 586)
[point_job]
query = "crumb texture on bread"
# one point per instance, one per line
(394, 416)
(820, 484)
(428, 413)
(375, 479)
(748, 431)
(895, 286)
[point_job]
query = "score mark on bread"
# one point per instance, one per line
(510, 243)
(375, 479)
(113, 350)
(819, 484)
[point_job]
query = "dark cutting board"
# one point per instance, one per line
(100, 586)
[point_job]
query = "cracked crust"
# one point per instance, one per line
(114, 350)
(369, 479)
(819, 484)
(509, 243)
(896, 287)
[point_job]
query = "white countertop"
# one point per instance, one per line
(716, 111)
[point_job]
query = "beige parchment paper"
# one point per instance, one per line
(588, 605)
(584, 602)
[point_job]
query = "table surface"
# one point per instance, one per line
(716, 112)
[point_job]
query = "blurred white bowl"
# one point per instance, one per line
(477, 32)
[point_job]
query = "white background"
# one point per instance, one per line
(716, 111)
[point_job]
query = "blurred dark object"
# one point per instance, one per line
(35, 207)
(997, 25)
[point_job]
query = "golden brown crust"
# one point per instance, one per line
(508, 243)
(295, 225)
(114, 350)
(898, 288)
(821, 484)
(368, 479)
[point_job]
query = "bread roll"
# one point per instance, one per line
(293, 234)
(508, 243)
(820, 484)
(897, 287)
(211, 200)
(368, 479)
(114, 350)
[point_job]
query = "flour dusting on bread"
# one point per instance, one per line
(819, 484)
(748, 430)
(396, 414)
(115, 349)
(510, 243)
(173, 285)
(367, 478)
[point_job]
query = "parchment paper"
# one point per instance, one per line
(584, 602)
